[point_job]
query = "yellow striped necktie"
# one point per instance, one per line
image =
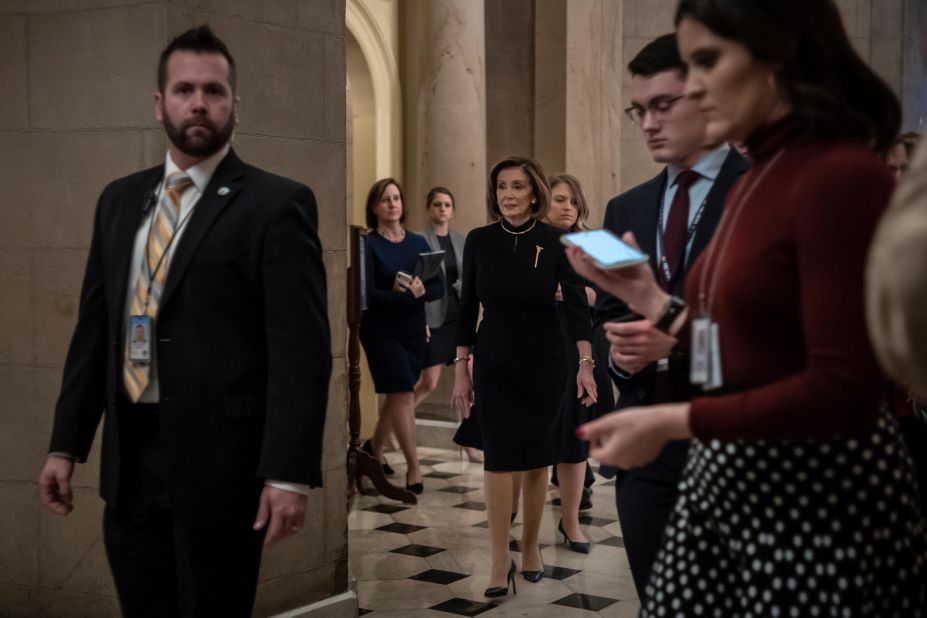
(136, 375)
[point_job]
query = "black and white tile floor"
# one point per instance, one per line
(432, 559)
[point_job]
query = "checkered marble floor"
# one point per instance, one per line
(432, 559)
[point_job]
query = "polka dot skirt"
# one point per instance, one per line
(816, 528)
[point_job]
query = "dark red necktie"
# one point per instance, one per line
(677, 225)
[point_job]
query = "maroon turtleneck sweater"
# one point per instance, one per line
(788, 294)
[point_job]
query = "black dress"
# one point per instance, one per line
(392, 327)
(520, 367)
(572, 414)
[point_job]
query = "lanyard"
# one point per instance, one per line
(665, 269)
(728, 222)
(146, 266)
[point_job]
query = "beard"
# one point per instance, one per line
(198, 146)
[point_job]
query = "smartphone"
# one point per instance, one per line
(402, 281)
(606, 250)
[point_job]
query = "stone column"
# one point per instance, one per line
(579, 74)
(445, 107)
(79, 81)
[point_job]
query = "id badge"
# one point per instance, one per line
(715, 379)
(139, 338)
(701, 344)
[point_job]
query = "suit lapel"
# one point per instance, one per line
(734, 165)
(228, 175)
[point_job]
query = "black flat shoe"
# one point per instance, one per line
(501, 591)
(582, 548)
(368, 448)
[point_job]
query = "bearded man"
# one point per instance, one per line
(212, 432)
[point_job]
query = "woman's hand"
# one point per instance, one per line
(462, 396)
(417, 287)
(634, 437)
(427, 334)
(635, 285)
(585, 385)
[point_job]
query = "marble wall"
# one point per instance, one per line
(79, 79)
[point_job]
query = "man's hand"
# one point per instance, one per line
(634, 345)
(284, 510)
(55, 485)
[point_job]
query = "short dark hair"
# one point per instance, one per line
(832, 91)
(535, 175)
(373, 197)
(436, 190)
(200, 40)
(660, 54)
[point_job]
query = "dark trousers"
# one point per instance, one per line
(163, 567)
(645, 498)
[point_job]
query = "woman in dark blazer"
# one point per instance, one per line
(392, 328)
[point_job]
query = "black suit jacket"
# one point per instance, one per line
(243, 344)
(637, 211)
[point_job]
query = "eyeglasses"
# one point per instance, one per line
(658, 108)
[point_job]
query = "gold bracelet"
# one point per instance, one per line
(586, 359)
(461, 358)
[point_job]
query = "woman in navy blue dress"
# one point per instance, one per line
(393, 326)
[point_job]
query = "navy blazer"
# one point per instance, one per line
(243, 344)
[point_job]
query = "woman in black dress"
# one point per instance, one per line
(392, 328)
(568, 212)
(512, 267)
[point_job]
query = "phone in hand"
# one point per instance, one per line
(606, 250)
(403, 281)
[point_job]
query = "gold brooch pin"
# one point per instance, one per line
(537, 254)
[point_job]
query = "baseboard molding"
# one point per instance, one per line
(435, 433)
(343, 605)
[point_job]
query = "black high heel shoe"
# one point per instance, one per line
(534, 576)
(415, 488)
(577, 546)
(368, 448)
(501, 591)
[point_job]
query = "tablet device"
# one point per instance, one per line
(428, 265)
(606, 250)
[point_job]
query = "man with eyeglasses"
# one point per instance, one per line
(672, 217)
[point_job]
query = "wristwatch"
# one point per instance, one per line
(674, 306)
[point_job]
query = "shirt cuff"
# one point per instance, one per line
(618, 373)
(296, 488)
(63, 455)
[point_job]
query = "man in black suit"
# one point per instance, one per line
(213, 436)
(672, 217)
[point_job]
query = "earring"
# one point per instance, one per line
(534, 201)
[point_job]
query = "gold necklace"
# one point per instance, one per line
(517, 234)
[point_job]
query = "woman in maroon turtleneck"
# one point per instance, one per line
(798, 497)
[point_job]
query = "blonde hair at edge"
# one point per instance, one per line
(582, 209)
